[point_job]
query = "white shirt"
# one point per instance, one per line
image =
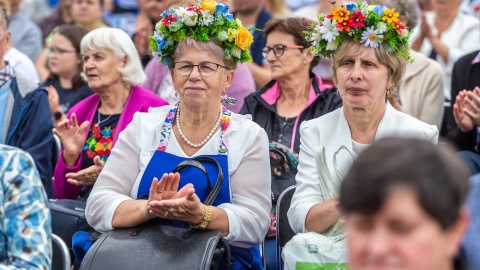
(22, 64)
(248, 164)
(337, 144)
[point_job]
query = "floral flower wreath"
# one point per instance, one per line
(371, 25)
(201, 21)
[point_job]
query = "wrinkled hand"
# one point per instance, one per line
(87, 176)
(72, 137)
(186, 206)
(53, 98)
(473, 103)
(460, 112)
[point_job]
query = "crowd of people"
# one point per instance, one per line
(101, 99)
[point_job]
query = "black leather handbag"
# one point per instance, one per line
(154, 245)
(68, 217)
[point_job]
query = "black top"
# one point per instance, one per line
(464, 76)
(68, 97)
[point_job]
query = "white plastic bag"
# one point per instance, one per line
(308, 251)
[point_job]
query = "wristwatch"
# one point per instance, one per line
(207, 217)
(57, 115)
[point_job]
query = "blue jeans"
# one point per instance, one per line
(271, 253)
(472, 159)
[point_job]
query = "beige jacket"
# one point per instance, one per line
(421, 91)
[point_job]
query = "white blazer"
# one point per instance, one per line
(331, 132)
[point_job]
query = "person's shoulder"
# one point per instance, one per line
(243, 124)
(14, 159)
(467, 59)
(467, 20)
(147, 96)
(326, 119)
(408, 124)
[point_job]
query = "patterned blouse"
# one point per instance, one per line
(25, 230)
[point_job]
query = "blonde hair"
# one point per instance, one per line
(395, 64)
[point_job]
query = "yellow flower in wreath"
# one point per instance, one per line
(243, 39)
(209, 5)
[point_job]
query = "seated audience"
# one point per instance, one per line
(367, 71)
(294, 95)
(445, 34)
(25, 120)
(25, 217)
(403, 201)
(65, 85)
(471, 245)
(421, 92)
(113, 71)
(155, 142)
(26, 35)
(61, 15)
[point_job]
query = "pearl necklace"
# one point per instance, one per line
(210, 134)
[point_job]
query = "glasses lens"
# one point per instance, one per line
(207, 69)
(278, 50)
(183, 69)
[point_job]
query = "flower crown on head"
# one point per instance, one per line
(202, 21)
(371, 25)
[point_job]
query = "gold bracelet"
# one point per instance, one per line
(207, 217)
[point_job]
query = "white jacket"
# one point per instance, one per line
(331, 132)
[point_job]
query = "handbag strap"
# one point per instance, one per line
(196, 164)
(212, 194)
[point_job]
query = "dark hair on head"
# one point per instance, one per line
(436, 175)
(293, 26)
(74, 34)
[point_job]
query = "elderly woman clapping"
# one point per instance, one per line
(369, 46)
(202, 64)
(113, 72)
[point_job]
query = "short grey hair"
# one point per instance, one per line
(4, 20)
(122, 45)
(407, 8)
(210, 46)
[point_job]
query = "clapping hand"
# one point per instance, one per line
(72, 137)
(466, 109)
(166, 202)
(87, 176)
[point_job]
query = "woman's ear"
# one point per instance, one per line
(308, 56)
(229, 79)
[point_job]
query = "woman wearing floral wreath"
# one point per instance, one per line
(202, 45)
(370, 48)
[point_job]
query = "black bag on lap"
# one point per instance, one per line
(157, 245)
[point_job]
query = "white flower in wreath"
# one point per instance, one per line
(181, 12)
(190, 18)
(371, 37)
(329, 30)
(236, 52)
(223, 35)
(207, 17)
(332, 45)
(382, 27)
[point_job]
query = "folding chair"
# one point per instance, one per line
(61, 254)
(284, 231)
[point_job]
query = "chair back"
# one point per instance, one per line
(284, 231)
(61, 254)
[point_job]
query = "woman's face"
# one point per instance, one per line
(63, 59)
(293, 61)
(400, 236)
(86, 11)
(361, 79)
(101, 68)
(197, 90)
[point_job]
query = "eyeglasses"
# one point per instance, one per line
(278, 49)
(58, 51)
(205, 69)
